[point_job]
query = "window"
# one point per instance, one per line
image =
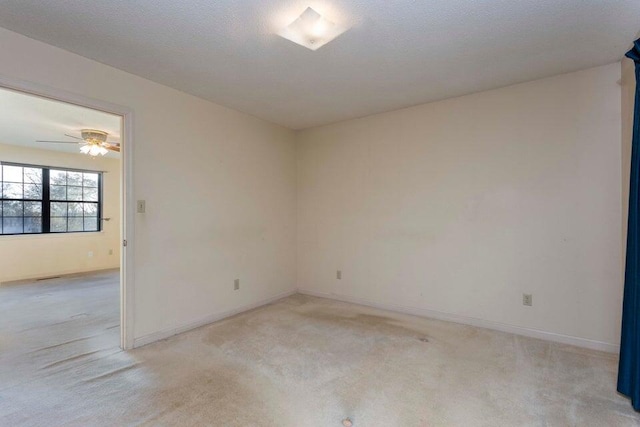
(38, 199)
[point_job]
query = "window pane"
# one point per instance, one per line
(11, 225)
(57, 177)
(33, 225)
(90, 209)
(32, 209)
(74, 178)
(91, 224)
(74, 193)
(58, 209)
(58, 225)
(90, 194)
(12, 208)
(12, 191)
(58, 192)
(32, 191)
(75, 209)
(32, 176)
(12, 173)
(90, 180)
(75, 224)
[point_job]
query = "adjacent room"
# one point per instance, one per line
(59, 229)
(320, 213)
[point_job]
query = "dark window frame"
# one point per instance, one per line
(46, 200)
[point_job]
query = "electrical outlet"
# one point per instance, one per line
(236, 284)
(339, 274)
(90, 254)
(527, 299)
(141, 206)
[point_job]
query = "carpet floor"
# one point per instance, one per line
(301, 361)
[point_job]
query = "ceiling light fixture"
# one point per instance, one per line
(311, 30)
(93, 149)
(94, 141)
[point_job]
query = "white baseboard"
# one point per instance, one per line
(60, 274)
(166, 333)
(487, 324)
(433, 314)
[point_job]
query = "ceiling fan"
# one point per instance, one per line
(92, 142)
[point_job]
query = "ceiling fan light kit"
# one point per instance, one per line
(96, 140)
(93, 150)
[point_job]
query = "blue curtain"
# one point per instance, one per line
(629, 368)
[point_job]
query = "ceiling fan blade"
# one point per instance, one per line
(74, 137)
(113, 148)
(61, 142)
(115, 144)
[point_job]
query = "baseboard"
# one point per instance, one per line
(60, 275)
(487, 324)
(166, 333)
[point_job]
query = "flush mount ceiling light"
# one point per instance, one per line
(311, 30)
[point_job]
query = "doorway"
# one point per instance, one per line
(74, 220)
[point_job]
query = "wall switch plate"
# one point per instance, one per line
(527, 299)
(141, 206)
(90, 254)
(236, 284)
(110, 251)
(339, 274)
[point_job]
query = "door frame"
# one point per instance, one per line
(127, 203)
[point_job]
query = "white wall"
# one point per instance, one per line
(46, 255)
(219, 187)
(463, 205)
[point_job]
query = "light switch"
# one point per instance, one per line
(142, 206)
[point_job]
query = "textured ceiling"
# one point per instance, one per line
(25, 119)
(396, 54)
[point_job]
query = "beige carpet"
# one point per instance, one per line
(299, 362)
